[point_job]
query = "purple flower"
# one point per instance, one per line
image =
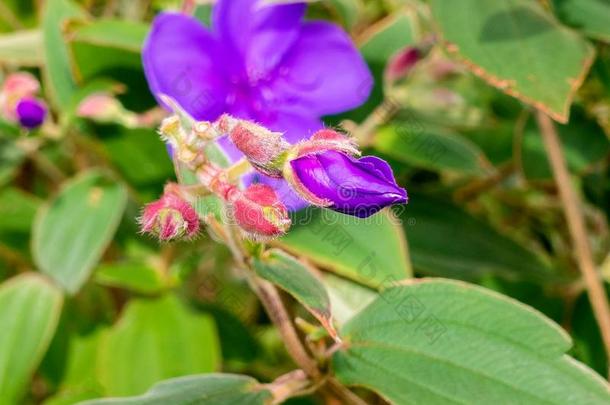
(359, 187)
(258, 62)
(31, 112)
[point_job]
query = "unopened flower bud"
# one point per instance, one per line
(16, 87)
(402, 63)
(259, 212)
(170, 218)
(262, 147)
(31, 112)
(103, 108)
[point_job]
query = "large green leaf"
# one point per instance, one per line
(372, 251)
(29, 312)
(71, 233)
(156, 339)
(445, 241)
(512, 45)
(432, 149)
(591, 16)
(60, 83)
(22, 48)
(208, 389)
(445, 342)
(347, 297)
(295, 278)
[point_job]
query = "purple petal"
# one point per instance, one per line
(355, 187)
(380, 165)
(31, 113)
(259, 33)
(183, 60)
(323, 72)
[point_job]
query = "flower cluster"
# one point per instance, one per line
(324, 170)
(18, 101)
(256, 85)
(259, 61)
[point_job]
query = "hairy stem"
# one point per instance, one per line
(573, 212)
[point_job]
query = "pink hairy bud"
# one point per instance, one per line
(17, 86)
(259, 212)
(262, 147)
(170, 218)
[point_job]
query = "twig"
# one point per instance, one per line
(274, 306)
(573, 212)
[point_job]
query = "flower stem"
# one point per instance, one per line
(237, 170)
(573, 212)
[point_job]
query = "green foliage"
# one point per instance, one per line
(371, 251)
(161, 336)
(71, 233)
(29, 311)
(439, 342)
(499, 39)
(212, 389)
(296, 279)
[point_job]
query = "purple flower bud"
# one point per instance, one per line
(358, 187)
(31, 112)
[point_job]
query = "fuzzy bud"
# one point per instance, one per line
(102, 107)
(170, 218)
(402, 63)
(259, 212)
(16, 87)
(262, 147)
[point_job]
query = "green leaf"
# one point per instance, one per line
(470, 248)
(372, 251)
(590, 16)
(71, 233)
(209, 389)
(444, 342)
(156, 339)
(57, 71)
(132, 276)
(17, 210)
(29, 312)
(295, 278)
(507, 43)
(79, 381)
(382, 40)
(346, 297)
(106, 45)
(21, 48)
(432, 149)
